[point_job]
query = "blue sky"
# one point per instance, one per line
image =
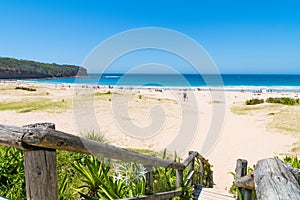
(240, 36)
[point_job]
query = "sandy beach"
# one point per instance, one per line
(249, 132)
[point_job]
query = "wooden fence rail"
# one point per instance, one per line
(40, 141)
(271, 179)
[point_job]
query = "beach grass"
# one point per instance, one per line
(242, 109)
(145, 151)
(287, 120)
(7, 87)
(283, 118)
(92, 135)
(296, 148)
(36, 104)
(215, 102)
(105, 93)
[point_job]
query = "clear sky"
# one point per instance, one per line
(254, 36)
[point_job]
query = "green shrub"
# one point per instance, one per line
(254, 101)
(283, 100)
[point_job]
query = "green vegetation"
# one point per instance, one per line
(88, 177)
(284, 100)
(11, 68)
(12, 182)
(254, 101)
(293, 160)
(26, 88)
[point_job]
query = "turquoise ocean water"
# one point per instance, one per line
(280, 82)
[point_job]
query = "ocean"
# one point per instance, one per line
(247, 82)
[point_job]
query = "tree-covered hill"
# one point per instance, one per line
(11, 68)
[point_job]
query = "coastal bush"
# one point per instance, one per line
(283, 100)
(26, 88)
(254, 101)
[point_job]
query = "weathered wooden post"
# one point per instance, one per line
(211, 180)
(201, 168)
(240, 171)
(191, 169)
(40, 170)
(179, 178)
(149, 180)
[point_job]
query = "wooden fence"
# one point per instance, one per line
(271, 179)
(40, 141)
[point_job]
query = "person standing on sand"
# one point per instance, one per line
(185, 97)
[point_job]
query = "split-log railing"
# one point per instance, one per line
(271, 179)
(39, 143)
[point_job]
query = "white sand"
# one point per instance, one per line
(242, 136)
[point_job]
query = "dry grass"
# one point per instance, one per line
(296, 148)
